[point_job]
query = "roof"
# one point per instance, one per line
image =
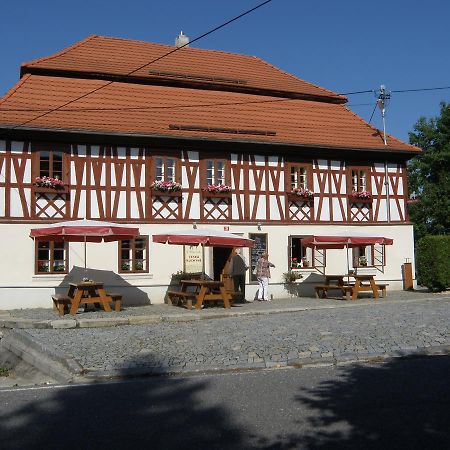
(130, 59)
(164, 111)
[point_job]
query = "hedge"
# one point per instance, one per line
(433, 262)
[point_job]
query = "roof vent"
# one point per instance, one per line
(182, 40)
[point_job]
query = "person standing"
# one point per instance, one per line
(263, 274)
(238, 268)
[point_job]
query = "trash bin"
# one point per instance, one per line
(407, 275)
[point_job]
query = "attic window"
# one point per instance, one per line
(190, 76)
(202, 128)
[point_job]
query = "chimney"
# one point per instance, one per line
(182, 40)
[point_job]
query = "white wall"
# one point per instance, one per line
(20, 288)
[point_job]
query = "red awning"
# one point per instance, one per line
(207, 238)
(344, 241)
(84, 230)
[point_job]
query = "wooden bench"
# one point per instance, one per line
(117, 300)
(179, 296)
(322, 290)
(382, 288)
(60, 302)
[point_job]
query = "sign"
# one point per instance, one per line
(193, 259)
(258, 249)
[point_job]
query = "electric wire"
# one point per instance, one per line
(200, 105)
(146, 65)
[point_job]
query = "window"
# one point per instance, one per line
(133, 255)
(215, 172)
(165, 169)
(51, 257)
(51, 164)
(298, 177)
(299, 256)
(363, 256)
(359, 181)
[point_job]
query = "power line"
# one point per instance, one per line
(422, 89)
(200, 105)
(202, 36)
(374, 108)
(145, 65)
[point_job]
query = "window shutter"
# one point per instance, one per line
(378, 257)
(319, 259)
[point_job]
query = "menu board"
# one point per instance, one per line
(255, 253)
(193, 259)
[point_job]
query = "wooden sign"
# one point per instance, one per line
(193, 258)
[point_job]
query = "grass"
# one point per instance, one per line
(4, 372)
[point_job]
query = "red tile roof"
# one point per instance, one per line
(119, 57)
(151, 110)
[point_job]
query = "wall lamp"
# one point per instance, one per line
(194, 225)
(259, 226)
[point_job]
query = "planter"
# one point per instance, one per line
(299, 198)
(208, 194)
(156, 193)
(363, 201)
(50, 190)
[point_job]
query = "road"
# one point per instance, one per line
(403, 403)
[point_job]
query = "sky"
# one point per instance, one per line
(342, 45)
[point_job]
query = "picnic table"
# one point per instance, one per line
(333, 282)
(363, 283)
(85, 292)
(200, 291)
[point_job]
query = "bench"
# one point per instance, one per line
(382, 288)
(180, 296)
(60, 302)
(322, 290)
(117, 300)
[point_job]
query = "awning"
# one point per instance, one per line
(344, 241)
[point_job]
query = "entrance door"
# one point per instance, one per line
(221, 260)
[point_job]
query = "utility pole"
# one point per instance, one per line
(383, 97)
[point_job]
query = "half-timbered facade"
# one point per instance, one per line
(90, 132)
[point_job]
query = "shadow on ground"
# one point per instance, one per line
(404, 404)
(132, 295)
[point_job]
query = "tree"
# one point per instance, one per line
(429, 175)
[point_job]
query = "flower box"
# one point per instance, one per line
(293, 197)
(361, 200)
(166, 186)
(49, 183)
(51, 190)
(211, 194)
(176, 194)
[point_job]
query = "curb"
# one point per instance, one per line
(297, 363)
(104, 322)
(48, 360)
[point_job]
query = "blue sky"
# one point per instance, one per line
(344, 46)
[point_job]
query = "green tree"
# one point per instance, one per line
(429, 175)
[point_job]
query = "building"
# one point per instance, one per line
(109, 117)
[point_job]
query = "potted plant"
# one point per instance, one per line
(361, 197)
(217, 190)
(49, 182)
(166, 186)
(301, 194)
(291, 277)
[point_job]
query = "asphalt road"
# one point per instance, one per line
(401, 404)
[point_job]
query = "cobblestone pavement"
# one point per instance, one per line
(331, 335)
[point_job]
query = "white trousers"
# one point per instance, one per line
(263, 291)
